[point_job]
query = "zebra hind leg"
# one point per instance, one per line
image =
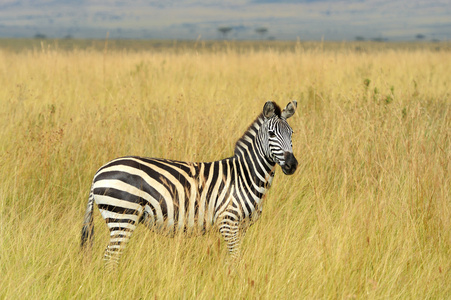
(120, 234)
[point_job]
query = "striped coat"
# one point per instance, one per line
(173, 197)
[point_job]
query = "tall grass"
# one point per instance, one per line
(367, 215)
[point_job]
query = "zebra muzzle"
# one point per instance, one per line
(290, 163)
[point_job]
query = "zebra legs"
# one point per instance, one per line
(233, 234)
(120, 234)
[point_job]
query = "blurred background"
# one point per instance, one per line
(377, 20)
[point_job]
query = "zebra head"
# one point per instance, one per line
(277, 134)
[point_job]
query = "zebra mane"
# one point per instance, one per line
(253, 128)
(277, 109)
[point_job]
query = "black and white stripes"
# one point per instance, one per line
(173, 197)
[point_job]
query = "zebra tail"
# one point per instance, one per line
(87, 232)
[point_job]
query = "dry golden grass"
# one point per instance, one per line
(367, 215)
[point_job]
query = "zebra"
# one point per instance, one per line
(172, 197)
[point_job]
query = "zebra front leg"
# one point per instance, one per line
(233, 234)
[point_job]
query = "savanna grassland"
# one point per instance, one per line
(366, 215)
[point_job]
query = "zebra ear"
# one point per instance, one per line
(269, 109)
(289, 110)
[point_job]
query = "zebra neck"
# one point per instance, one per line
(250, 154)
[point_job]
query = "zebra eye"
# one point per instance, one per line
(271, 133)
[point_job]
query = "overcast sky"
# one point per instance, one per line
(192, 19)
